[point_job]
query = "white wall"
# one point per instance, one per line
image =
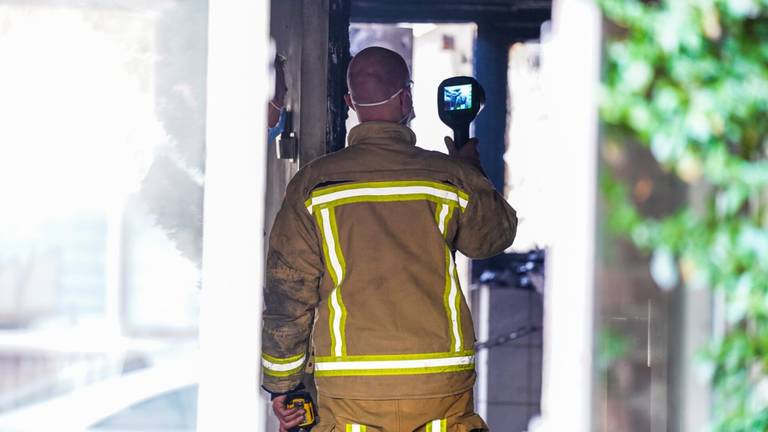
(573, 46)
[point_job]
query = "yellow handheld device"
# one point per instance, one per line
(302, 400)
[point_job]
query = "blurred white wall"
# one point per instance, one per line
(529, 156)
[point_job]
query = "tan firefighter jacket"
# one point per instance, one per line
(361, 256)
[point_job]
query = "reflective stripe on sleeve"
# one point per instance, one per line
(355, 428)
(437, 426)
(275, 366)
(388, 191)
(406, 364)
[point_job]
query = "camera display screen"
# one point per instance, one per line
(457, 97)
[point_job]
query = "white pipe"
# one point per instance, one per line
(571, 69)
(230, 306)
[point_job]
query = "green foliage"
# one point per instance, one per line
(689, 80)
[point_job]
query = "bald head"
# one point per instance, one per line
(375, 74)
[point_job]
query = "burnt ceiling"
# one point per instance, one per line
(521, 19)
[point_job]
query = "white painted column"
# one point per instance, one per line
(231, 303)
(481, 361)
(571, 68)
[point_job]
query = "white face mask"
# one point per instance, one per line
(405, 120)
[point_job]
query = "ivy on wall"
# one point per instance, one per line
(689, 80)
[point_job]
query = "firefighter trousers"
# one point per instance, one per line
(454, 413)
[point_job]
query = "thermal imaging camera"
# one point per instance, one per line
(459, 100)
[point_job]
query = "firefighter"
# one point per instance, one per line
(361, 257)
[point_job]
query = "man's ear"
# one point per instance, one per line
(348, 100)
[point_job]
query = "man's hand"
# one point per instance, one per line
(467, 153)
(289, 418)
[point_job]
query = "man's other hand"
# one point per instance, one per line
(468, 152)
(289, 418)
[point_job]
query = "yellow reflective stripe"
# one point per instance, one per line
(354, 427)
(334, 261)
(446, 296)
(405, 364)
(334, 321)
(337, 320)
(340, 320)
(395, 371)
(330, 248)
(282, 374)
(386, 184)
(384, 198)
(386, 191)
(281, 367)
(390, 357)
(451, 293)
(451, 302)
(283, 360)
(440, 425)
(442, 217)
(337, 247)
(457, 306)
(448, 217)
(434, 189)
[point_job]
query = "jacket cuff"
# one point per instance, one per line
(274, 394)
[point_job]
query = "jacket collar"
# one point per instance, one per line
(381, 133)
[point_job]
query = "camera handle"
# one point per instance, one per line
(460, 136)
